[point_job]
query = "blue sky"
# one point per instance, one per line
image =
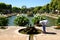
(28, 3)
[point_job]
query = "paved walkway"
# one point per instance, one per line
(48, 36)
(12, 34)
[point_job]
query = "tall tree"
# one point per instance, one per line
(36, 9)
(55, 5)
(16, 9)
(23, 9)
(47, 8)
(4, 8)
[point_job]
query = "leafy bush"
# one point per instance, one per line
(36, 19)
(3, 21)
(58, 21)
(21, 20)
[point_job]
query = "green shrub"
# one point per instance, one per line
(58, 21)
(3, 21)
(36, 19)
(21, 21)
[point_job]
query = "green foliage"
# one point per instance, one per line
(50, 7)
(36, 19)
(47, 8)
(4, 8)
(36, 9)
(3, 21)
(58, 21)
(24, 9)
(9, 6)
(16, 9)
(43, 9)
(31, 8)
(21, 20)
(54, 5)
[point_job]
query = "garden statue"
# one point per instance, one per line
(44, 23)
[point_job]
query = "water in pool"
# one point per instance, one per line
(11, 21)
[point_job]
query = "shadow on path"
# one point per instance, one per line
(49, 33)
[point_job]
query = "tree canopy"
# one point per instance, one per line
(50, 7)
